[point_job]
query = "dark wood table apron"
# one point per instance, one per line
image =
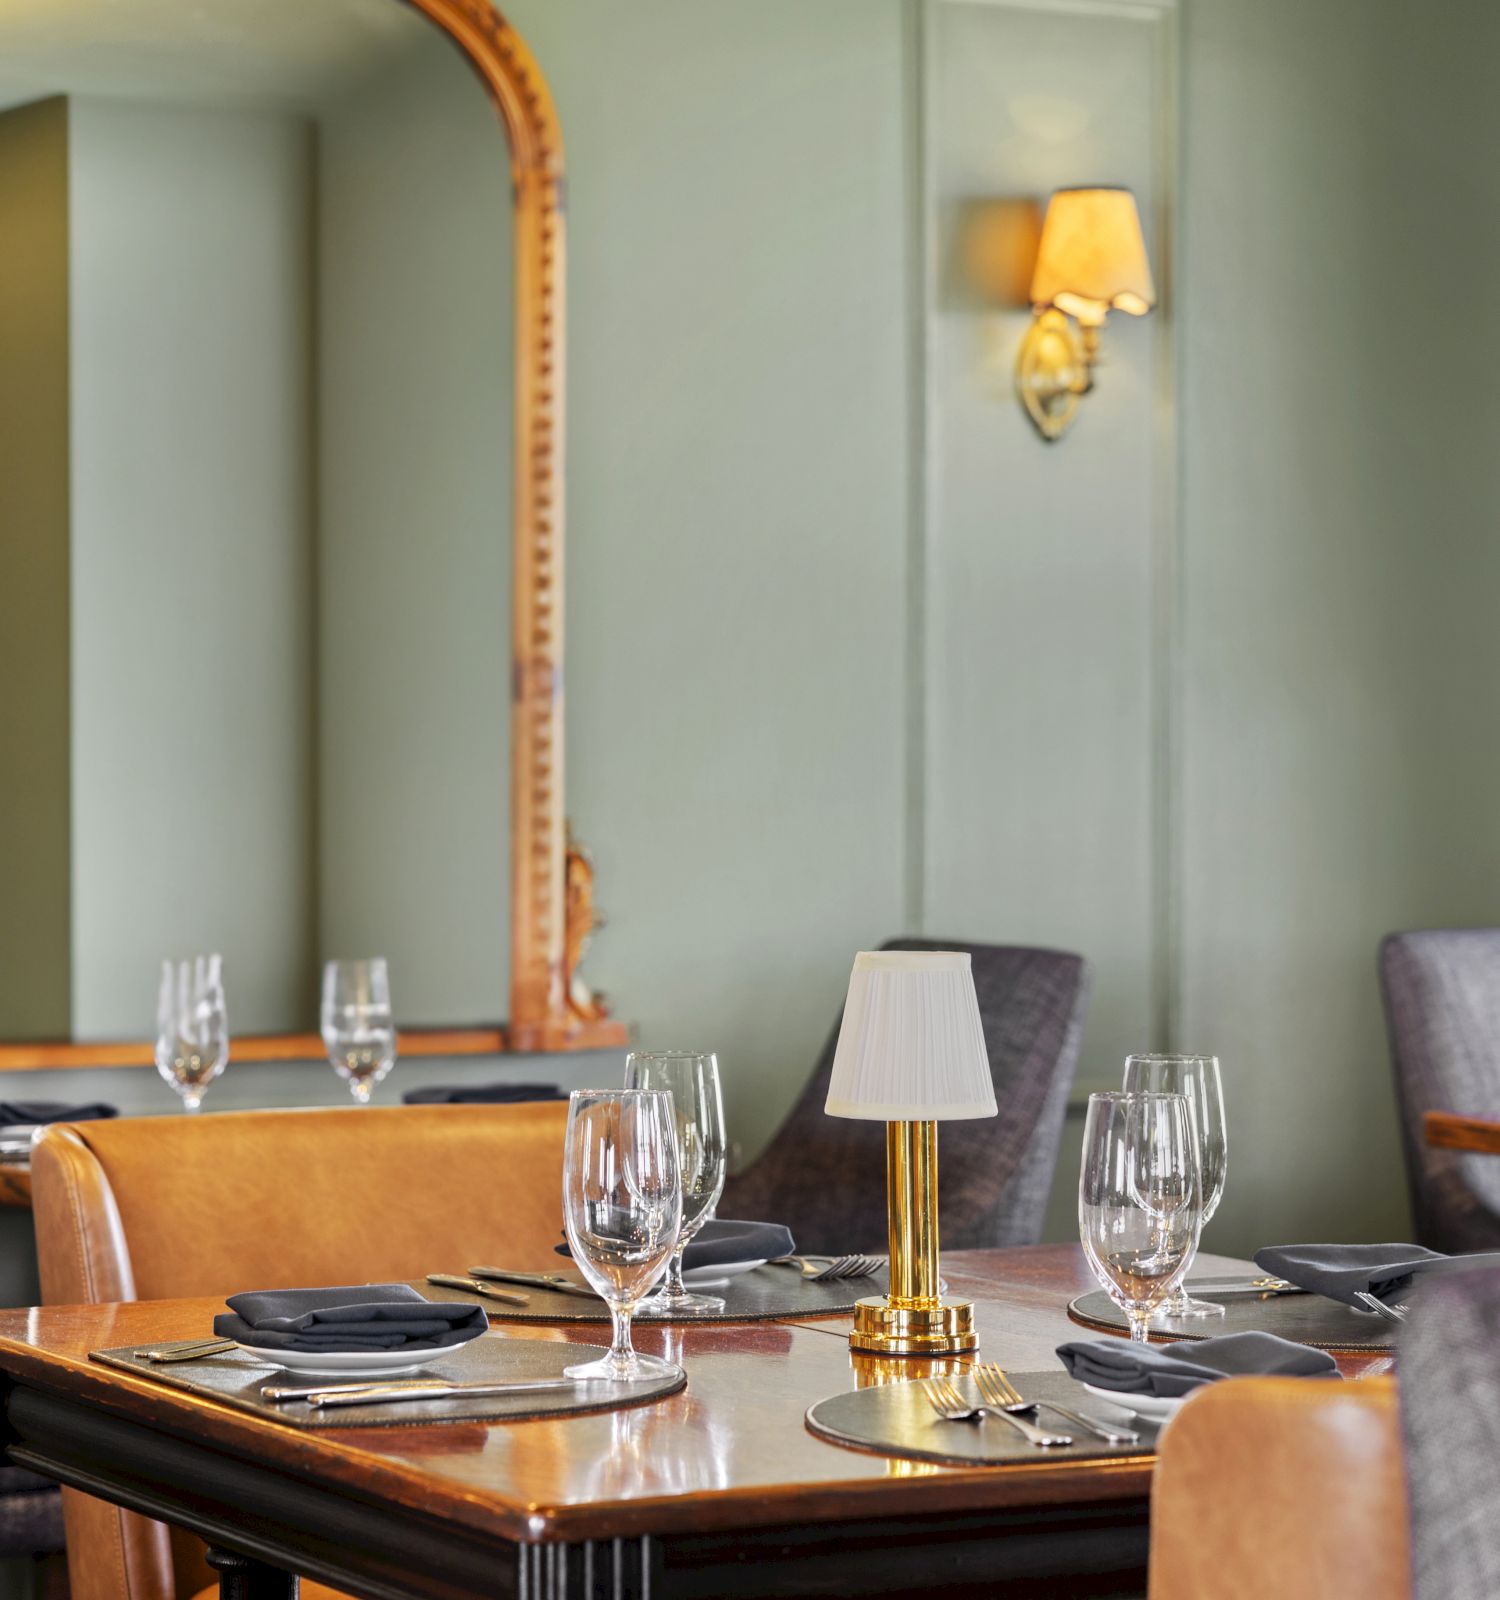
(717, 1491)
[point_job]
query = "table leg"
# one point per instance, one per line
(240, 1578)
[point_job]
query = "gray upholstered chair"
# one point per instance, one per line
(824, 1177)
(1442, 1003)
(1450, 1417)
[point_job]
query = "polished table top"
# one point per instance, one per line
(728, 1452)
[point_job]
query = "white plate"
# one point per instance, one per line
(1150, 1407)
(704, 1277)
(350, 1363)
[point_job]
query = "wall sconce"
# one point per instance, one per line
(1091, 261)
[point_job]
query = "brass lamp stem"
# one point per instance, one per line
(911, 1188)
(913, 1320)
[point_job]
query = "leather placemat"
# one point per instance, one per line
(236, 1379)
(895, 1419)
(1304, 1318)
(767, 1294)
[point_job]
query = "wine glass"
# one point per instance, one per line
(192, 1026)
(622, 1208)
(1138, 1208)
(1196, 1079)
(702, 1157)
(359, 1033)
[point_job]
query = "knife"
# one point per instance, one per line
(376, 1394)
(1226, 1286)
(449, 1280)
(535, 1280)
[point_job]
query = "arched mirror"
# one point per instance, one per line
(281, 446)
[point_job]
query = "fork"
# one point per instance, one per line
(1381, 1309)
(837, 1267)
(999, 1393)
(944, 1398)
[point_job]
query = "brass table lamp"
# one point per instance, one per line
(911, 1054)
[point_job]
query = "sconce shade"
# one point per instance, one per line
(911, 1045)
(1092, 258)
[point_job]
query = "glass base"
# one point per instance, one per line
(1184, 1305)
(634, 1368)
(662, 1304)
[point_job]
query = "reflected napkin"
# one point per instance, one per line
(482, 1094)
(721, 1242)
(1340, 1271)
(368, 1316)
(1177, 1369)
(33, 1113)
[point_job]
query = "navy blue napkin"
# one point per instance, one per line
(369, 1316)
(721, 1242)
(1177, 1369)
(1340, 1271)
(482, 1094)
(32, 1113)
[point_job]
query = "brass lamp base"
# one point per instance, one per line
(944, 1328)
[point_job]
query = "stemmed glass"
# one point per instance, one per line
(702, 1158)
(1138, 1208)
(622, 1208)
(359, 1032)
(192, 1026)
(1196, 1079)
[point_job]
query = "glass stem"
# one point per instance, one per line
(674, 1288)
(620, 1348)
(1140, 1327)
(192, 1102)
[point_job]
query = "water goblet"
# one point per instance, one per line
(702, 1159)
(359, 1032)
(1138, 1206)
(192, 1026)
(622, 1209)
(1196, 1079)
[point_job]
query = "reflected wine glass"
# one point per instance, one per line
(1196, 1079)
(192, 1026)
(702, 1160)
(1138, 1207)
(622, 1208)
(359, 1032)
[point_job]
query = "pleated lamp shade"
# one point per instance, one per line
(911, 1046)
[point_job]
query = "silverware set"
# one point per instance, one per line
(999, 1397)
(1387, 1312)
(322, 1396)
(452, 1280)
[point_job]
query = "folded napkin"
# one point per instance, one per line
(1340, 1271)
(31, 1113)
(482, 1094)
(720, 1242)
(370, 1316)
(1168, 1370)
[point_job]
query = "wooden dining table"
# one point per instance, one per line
(719, 1490)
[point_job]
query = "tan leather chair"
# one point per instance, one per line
(153, 1208)
(1282, 1487)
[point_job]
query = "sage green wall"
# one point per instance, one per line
(34, 750)
(191, 494)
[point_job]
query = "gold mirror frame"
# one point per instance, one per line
(551, 879)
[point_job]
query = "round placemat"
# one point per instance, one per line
(768, 1294)
(236, 1379)
(1303, 1318)
(895, 1419)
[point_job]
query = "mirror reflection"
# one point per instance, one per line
(255, 475)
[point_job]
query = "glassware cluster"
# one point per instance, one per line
(1155, 1158)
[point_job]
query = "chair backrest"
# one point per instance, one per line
(1442, 1004)
(152, 1208)
(1292, 1487)
(1450, 1416)
(824, 1177)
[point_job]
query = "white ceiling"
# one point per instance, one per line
(249, 52)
